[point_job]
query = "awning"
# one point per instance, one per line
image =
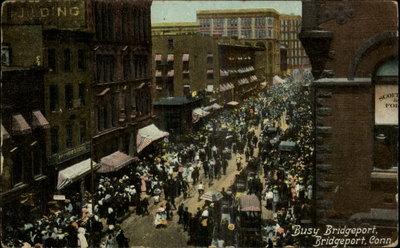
(114, 162)
(222, 87)
(287, 145)
(171, 73)
(185, 72)
(19, 125)
(158, 73)
(5, 135)
(104, 92)
(277, 80)
(211, 71)
(210, 88)
(170, 57)
(73, 173)
(147, 135)
(249, 203)
(185, 57)
(216, 106)
(39, 120)
(200, 112)
(158, 57)
(209, 55)
(140, 86)
(232, 103)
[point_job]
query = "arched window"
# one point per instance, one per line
(386, 115)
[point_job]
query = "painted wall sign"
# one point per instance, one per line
(386, 104)
(69, 14)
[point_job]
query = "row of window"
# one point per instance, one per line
(291, 22)
(295, 53)
(69, 134)
(233, 22)
(289, 36)
(65, 59)
(27, 162)
(134, 23)
(70, 101)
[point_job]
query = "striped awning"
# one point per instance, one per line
(170, 57)
(114, 162)
(39, 120)
(158, 57)
(19, 125)
(185, 57)
(147, 135)
(74, 172)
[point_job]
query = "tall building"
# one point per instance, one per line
(187, 62)
(59, 42)
(122, 86)
(354, 56)
(255, 26)
(290, 29)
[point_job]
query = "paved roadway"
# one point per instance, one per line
(141, 231)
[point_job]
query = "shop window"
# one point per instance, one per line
(17, 166)
(54, 139)
(37, 159)
(386, 115)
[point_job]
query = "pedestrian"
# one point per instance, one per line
(122, 241)
(186, 218)
(82, 242)
(180, 212)
(200, 190)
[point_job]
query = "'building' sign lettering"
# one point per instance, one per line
(50, 13)
(386, 104)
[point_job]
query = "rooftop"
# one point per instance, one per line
(177, 100)
(237, 11)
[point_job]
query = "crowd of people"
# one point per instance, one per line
(200, 157)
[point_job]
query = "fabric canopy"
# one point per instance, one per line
(39, 120)
(5, 135)
(147, 135)
(277, 80)
(20, 126)
(170, 57)
(170, 73)
(216, 106)
(73, 173)
(114, 162)
(198, 113)
(212, 196)
(249, 203)
(232, 103)
(287, 145)
(158, 57)
(185, 57)
(158, 73)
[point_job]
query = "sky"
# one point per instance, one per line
(185, 11)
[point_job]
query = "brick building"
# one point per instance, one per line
(290, 28)
(183, 59)
(186, 63)
(122, 88)
(58, 41)
(255, 26)
(353, 50)
(23, 175)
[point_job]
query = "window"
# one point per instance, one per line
(170, 44)
(270, 21)
(37, 159)
(81, 60)
(17, 166)
(51, 59)
(82, 132)
(386, 115)
(68, 136)
(69, 96)
(127, 66)
(67, 60)
(246, 34)
(218, 23)
(260, 21)
(53, 95)
(54, 139)
(82, 93)
(246, 22)
(105, 68)
(232, 22)
(210, 58)
(114, 111)
(185, 75)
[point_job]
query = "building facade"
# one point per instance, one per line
(353, 52)
(183, 62)
(122, 85)
(256, 26)
(290, 29)
(23, 175)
